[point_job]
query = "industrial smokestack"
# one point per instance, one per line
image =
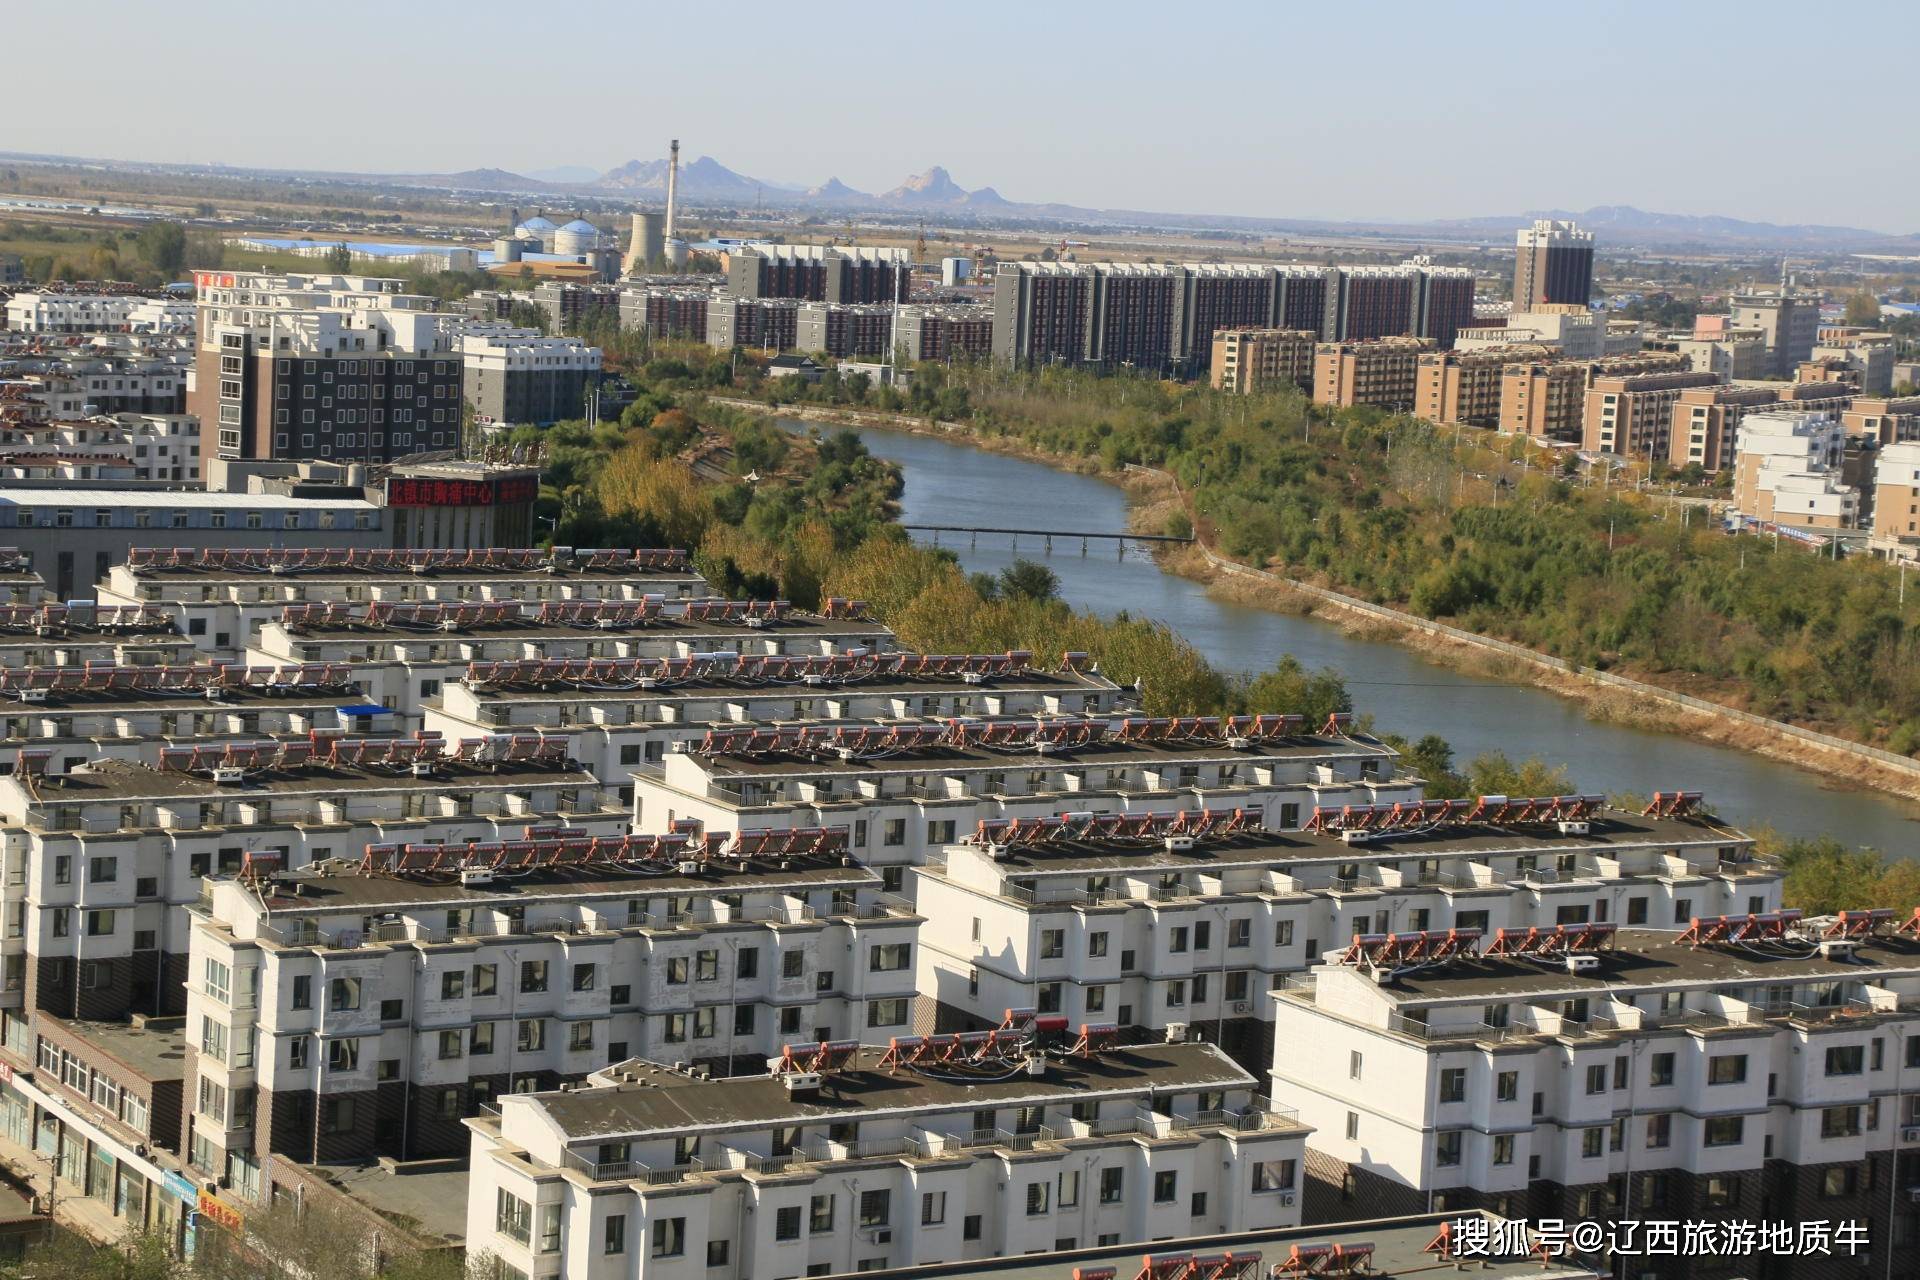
(673, 183)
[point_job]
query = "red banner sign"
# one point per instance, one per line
(422, 491)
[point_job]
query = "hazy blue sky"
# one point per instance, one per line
(1393, 110)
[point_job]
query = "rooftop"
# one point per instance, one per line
(529, 627)
(1653, 958)
(662, 1100)
(1614, 828)
(1109, 752)
(105, 780)
(156, 1054)
(184, 498)
(338, 885)
(1027, 681)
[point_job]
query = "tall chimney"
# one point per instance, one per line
(673, 182)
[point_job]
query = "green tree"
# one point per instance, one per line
(1029, 580)
(340, 259)
(163, 245)
(1863, 309)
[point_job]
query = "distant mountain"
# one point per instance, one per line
(566, 173)
(935, 186)
(479, 180)
(1618, 222)
(704, 179)
(834, 189)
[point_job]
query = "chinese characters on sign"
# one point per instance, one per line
(420, 491)
(1554, 1237)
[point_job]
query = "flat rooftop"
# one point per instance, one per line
(338, 885)
(1653, 958)
(158, 1054)
(664, 1100)
(194, 499)
(531, 629)
(428, 1200)
(237, 698)
(125, 780)
(1041, 682)
(1399, 1250)
(1107, 752)
(1615, 828)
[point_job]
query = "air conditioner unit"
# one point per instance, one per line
(878, 1235)
(1242, 1006)
(1910, 1133)
(1286, 1199)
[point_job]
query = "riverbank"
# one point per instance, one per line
(1601, 696)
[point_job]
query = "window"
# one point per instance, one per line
(1503, 1148)
(1720, 1192)
(1839, 1181)
(1725, 1131)
(1273, 1175)
(614, 1237)
(1353, 1126)
(1283, 933)
(1166, 1186)
(1178, 942)
(669, 1237)
(717, 1253)
(580, 1034)
(1053, 944)
(1727, 1069)
(1593, 1142)
(890, 957)
(1659, 1132)
(875, 1208)
(1453, 1084)
(297, 1053)
(886, 1013)
(533, 1035)
(786, 1223)
(533, 975)
(706, 966)
(1446, 1148)
(453, 984)
(1069, 1197)
(1596, 1079)
(452, 1045)
(970, 1227)
(1840, 1122)
(793, 964)
(1660, 1070)
(746, 964)
(343, 1055)
(1846, 1060)
(1355, 1062)
(1112, 1185)
(933, 1208)
(893, 832)
(343, 994)
(1506, 1086)
(820, 1215)
(480, 1039)
(1039, 1198)
(512, 1216)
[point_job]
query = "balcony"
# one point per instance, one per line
(633, 1171)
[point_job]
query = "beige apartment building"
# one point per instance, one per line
(1888, 419)
(1547, 399)
(1788, 470)
(1249, 360)
(1465, 386)
(1381, 372)
(1632, 414)
(1706, 420)
(1896, 501)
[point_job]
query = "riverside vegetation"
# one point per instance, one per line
(1492, 535)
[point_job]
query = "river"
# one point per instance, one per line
(949, 483)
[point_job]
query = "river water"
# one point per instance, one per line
(949, 483)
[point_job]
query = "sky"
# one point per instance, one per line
(1351, 110)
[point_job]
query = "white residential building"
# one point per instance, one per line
(57, 312)
(367, 1004)
(224, 596)
(904, 791)
(1787, 471)
(655, 1174)
(1746, 1067)
(1191, 918)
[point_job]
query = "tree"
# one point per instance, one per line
(340, 259)
(1863, 309)
(164, 247)
(1029, 580)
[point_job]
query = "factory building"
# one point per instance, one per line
(857, 1156)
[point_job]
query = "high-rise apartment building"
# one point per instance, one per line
(346, 368)
(820, 273)
(844, 329)
(521, 376)
(958, 331)
(1553, 263)
(1788, 320)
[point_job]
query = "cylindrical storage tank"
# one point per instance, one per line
(676, 253)
(576, 238)
(506, 249)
